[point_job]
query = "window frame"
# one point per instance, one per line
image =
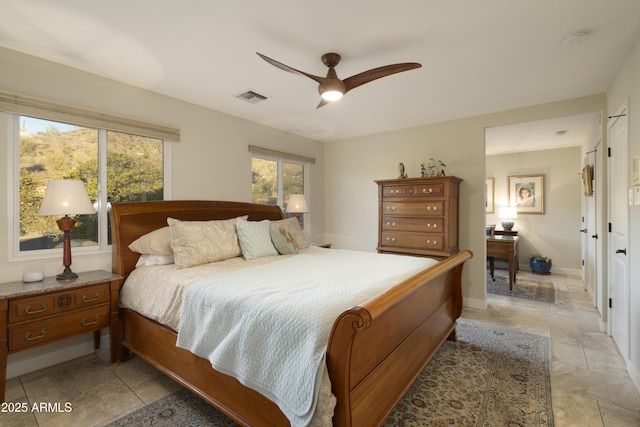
(13, 192)
(305, 185)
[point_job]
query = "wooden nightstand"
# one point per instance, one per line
(38, 313)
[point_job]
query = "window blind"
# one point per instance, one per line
(38, 108)
(281, 154)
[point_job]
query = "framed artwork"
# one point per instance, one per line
(488, 196)
(526, 193)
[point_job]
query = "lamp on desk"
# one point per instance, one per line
(507, 214)
(297, 205)
(66, 197)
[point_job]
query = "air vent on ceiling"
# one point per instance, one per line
(252, 96)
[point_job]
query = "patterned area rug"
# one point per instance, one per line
(491, 376)
(527, 285)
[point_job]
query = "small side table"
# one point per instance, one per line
(38, 313)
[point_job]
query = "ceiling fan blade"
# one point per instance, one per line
(322, 102)
(289, 69)
(376, 73)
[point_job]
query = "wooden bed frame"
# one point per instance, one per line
(376, 350)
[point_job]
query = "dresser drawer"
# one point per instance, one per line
(27, 308)
(420, 225)
(431, 208)
(435, 189)
(412, 240)
(36, 333)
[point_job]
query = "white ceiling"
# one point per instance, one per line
(560, 132)
(478, 56)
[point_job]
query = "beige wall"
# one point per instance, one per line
(212, 160)
(353, 164)
(626, 87)
(555, 233)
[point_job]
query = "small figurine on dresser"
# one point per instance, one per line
(403, 175)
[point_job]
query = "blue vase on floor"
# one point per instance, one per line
(539, 266)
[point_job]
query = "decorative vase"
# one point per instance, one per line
(540, 267)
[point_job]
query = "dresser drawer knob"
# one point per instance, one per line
(95, 320)
(432, 208)
(95, 298)
(432, 243)
(28, 336)
(391, 239)
(28, 310)
(429, 190)
(391, 208)
(391, 224)
(434, 226)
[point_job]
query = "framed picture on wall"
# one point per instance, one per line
(526, 193)
(488, 196)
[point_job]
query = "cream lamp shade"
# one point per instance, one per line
(507, 214)
(297, 204)
(66, 197)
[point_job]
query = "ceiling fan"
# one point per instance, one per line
(332, 88)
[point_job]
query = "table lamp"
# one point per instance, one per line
(66, 197)
(297, 205)
(507, 215)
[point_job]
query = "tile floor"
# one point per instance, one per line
(590, 386)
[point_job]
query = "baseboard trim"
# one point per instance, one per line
(480, 304)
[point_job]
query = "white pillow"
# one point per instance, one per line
(148, 259)
(157, 242)
(255, 239)
(202, 242)
(292, 225)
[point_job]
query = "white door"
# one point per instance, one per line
(618, 236)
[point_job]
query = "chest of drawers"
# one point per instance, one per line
(418, 216)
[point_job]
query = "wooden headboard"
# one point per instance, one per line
(132, 220)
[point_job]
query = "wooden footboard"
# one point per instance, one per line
(378, 349)
(375, 352)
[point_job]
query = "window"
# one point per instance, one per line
(115, 166)
(275, 178)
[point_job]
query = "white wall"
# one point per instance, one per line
(351, 213)
(555, 233)
(626, 86)
(212, 160)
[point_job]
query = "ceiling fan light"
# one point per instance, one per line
(331, 95)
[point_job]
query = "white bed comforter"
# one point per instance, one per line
(269, 325)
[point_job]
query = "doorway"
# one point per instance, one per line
(554, 148)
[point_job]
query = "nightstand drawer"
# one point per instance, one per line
(419, 225)
(31, 308)
(39, 306)
(36, 333)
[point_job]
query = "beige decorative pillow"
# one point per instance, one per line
(202, 242)
(292, 225)
(157, 242)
